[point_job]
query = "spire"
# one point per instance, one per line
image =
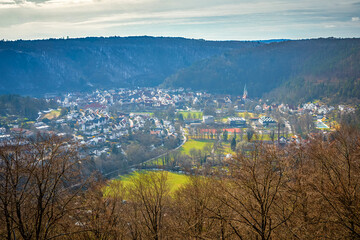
(245, 93)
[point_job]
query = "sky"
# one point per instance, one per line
(200, 19)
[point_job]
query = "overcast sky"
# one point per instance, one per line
(207, 19)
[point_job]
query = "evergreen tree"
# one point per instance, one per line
(114, 150)
(272, 135)
(233, 144)
(181, 118)
(225, 135)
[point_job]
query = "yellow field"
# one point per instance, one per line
(174, 181)
(191, 114)
(53, 114)
(246, 115)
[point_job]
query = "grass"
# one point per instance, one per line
(227, 148)
(144, 113)
(156, 162)
(174, 180)
(194, 143)
(53, 114)
(198, 144)
(246, 115)
(194, 114)
(224, 120)
(267, 137)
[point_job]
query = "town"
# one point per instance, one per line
(122, 128)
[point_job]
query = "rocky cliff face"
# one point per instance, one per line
(43, 66)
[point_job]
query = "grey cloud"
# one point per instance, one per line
(182, 18)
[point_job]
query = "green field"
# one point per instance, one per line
(155, 162)
(194, 143)
(174, 180)
(191, 114)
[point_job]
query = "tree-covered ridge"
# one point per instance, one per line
(23, 106)
(58, 65)
(291, 71)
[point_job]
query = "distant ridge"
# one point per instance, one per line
(292, 71)
(279, 69)
(34, 67)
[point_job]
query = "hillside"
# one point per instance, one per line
(58, 65)
(290, 71)
(23, 106)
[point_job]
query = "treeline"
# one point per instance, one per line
(23, 106)
(290, 71)
(305, 191)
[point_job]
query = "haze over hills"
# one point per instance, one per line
(58, 65)
(292, 71)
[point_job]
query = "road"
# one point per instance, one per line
(287, 125)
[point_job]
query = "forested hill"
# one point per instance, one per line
(290, 71)
(43, 66)
(23, 106)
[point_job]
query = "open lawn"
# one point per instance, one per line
(191, 114)
(174, 180)
(53, 114)
(195, 143)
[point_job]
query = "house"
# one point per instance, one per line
(267, 121)
(258, 108)
(208, 119)
(282, 140)
(236, 121)
(5, 138)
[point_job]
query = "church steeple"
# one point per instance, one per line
(245, 93)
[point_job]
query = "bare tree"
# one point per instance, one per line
(337, 181)
(103, 211)
(255, 194)
(39, 183)
(148, 195)
(193, 212)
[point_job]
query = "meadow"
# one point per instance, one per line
(174, 180)
(198, 144)
(191, 114)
